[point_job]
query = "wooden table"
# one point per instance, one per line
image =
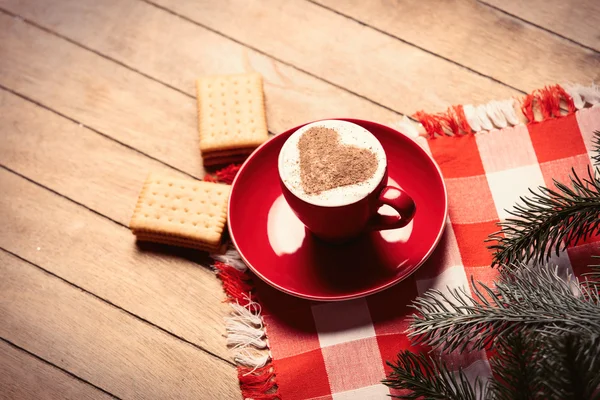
(95, 94)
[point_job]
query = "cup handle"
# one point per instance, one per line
(399, 201)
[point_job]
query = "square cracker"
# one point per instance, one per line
(231, 113)
(181, 212)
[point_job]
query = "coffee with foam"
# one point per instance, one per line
(361, 149)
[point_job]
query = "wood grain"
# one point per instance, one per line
(98, 93)
(164, 286)
(578, 20)
(24, 377)
(484, 39)
(344, 52)
(177, 52)
(99, 343)
(73, 160)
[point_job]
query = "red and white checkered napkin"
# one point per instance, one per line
(338, 350)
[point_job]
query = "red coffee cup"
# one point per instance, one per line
(345, 221)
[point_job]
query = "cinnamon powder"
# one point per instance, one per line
(326, 163)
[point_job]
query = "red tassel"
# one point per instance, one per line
(566, 97)
(235, 283)
(208, 178)
(527, 108)
(459, 112)
(432, 123)
(261, 379)
(259, 383)
(454, 121)
(549, 102)
(227, 174)
(542, 104)
(450, 123)
(555, 101)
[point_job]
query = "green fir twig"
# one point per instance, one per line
(516, 368)
(548, 221)
(524, 300)
(569, 367)
(526, 367)
(426, 377)
(596, 144)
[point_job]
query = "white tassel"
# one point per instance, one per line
(231, 257)
(508, 109)
(244, 313)
(472, 117)
(583, 94)
(574, 93)
(251, 359)
(245, 327)
(494, 111)
(591, 94)
(483, 118)
(239, 339)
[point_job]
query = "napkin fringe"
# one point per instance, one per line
(549, 102)
(246, 332)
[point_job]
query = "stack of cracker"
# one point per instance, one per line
(231, 116)
(181, 212)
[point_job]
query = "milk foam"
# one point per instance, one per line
(349, 134)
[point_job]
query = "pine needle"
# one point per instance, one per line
(596, 144)
(429, 378)
(593, 277)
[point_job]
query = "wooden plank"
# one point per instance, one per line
(165, 287)
(71, 159)
(482, 38)
(99, 93)
(578, 20)
(176, 51)
(344, 52)
(100, 343)
(24, 377)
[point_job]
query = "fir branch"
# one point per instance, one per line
(570, 367)
(596, 144)
(548, 221)
(593, 277)
(430, 378)
(524, 299)
(516, 368)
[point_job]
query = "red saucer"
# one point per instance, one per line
(278, 249)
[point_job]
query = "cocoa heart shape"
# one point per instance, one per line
(326, 163)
